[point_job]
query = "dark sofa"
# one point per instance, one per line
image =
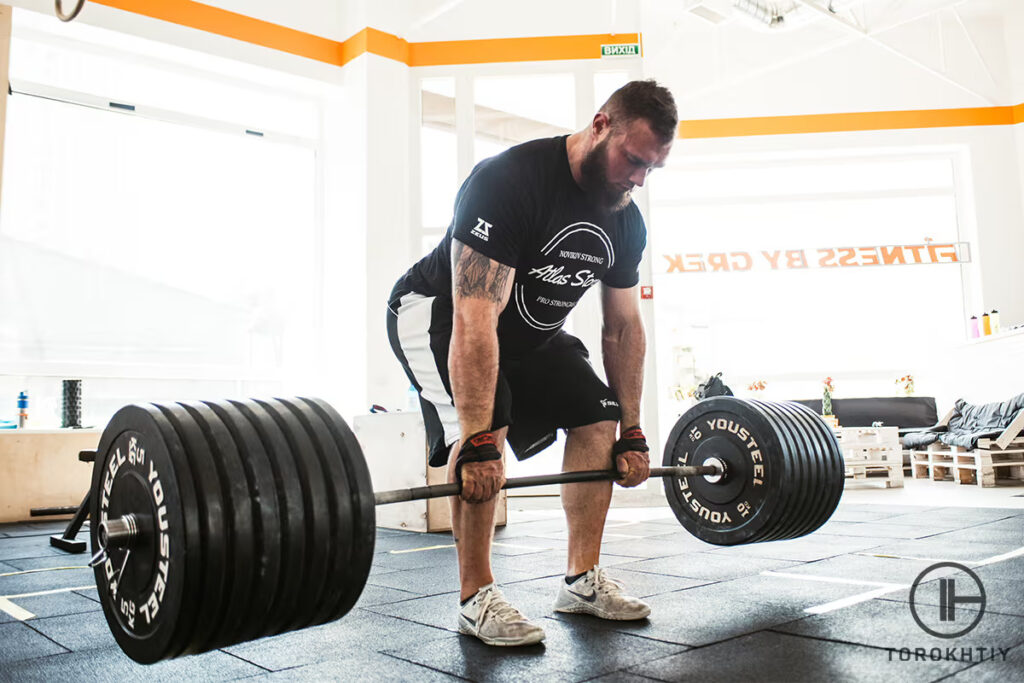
(905, 412)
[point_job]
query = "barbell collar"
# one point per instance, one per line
(119, 532)
(445, 490)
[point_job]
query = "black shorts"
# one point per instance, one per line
(552, 387)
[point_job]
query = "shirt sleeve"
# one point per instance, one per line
(626, 271)
(491, 214)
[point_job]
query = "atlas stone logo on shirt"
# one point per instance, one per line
(482, 229)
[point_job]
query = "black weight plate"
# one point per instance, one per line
(726, 427)
(364, 510)
(812, 492)
(338, 561)
(820, 465)
(240, 547)
(142, 588)
(292, 523)
(317, 512)
(364, 523)
(834, 456)
(796, 472)
(213, 528)
(266, 517)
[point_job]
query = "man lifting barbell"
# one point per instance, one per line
(538, 224)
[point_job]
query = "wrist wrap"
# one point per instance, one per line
(632, 439)
(480, 447)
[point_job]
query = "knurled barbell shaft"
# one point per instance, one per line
(444, 490)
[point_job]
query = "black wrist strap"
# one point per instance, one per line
(480, 447)
(632, 439)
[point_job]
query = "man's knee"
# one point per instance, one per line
(597, 432)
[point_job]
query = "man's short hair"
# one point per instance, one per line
(644, 100)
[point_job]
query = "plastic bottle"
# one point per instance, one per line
(22, 409)
(986, 324)
(412, 399)
(994, 319)
(974, 327)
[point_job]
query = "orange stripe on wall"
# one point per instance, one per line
(545, 48)
(239, 26)
(834, 123)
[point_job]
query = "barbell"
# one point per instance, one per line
(217, 522)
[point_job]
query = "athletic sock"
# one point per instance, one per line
(569, 580)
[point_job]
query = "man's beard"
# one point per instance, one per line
(594, 175)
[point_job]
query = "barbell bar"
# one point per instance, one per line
(218, 522)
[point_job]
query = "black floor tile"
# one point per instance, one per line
(90, 593)
(51, 561)
(113, 666)
(851, 513)
(622, 677)
(1001, 596)
(984, 533)
(357, 634)
(376, 595)
(571, 652)
(86, 631)
(883, 529)
(57, 604)
(639, 584)
(18, 584)
(20, 547)
(18, 642)
(443, 578)
(866, 567)
(1000, 669)
(887, 624)
(4, 567)
(941, 548)
(1009, 570)
(956, 516)
(713, 566)
(371, 667)
(410, 541)
(816, 546)
(771, 657)
(415, 559)
(700, 616)
(440, 611)
(546, 564)
(674, 543)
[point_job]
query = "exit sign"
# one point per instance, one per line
(621, 50)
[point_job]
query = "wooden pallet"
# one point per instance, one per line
(872, 450)
(937, 462)
(988, 463)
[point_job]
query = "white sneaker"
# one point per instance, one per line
(490, 617)
(597, 593)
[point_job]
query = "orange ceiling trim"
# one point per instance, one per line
(238, 26)
(859, 121)
(544, 48)
(338, 53)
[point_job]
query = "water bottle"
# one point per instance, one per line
(22, 409)
(412, 399)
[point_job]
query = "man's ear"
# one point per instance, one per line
(600, 124)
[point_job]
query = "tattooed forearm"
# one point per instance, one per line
(477, 276)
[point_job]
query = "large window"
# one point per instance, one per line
(159, 230)
(776, 270)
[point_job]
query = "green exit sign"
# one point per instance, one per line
(621, 50)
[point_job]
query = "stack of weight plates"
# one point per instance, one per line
(255, 517)
(783, 471)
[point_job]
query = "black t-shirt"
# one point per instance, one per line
(524, 209)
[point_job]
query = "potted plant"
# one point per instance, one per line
(826, 403)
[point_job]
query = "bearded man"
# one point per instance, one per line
(477, 325)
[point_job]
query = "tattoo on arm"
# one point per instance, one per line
(474, 277)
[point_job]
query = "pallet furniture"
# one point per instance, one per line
(1001, 458)
(872, 449)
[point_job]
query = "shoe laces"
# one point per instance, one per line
(604, 583)
(493, 602)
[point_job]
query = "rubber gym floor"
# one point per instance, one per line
(832, 606)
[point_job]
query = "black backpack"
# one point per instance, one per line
(713, 386)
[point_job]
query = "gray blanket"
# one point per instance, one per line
(969, 423)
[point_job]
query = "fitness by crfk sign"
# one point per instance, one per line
(736, 261)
